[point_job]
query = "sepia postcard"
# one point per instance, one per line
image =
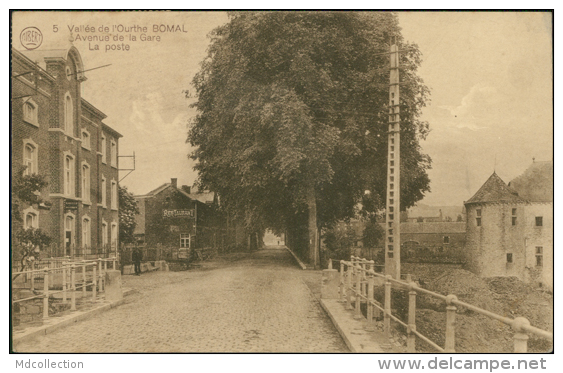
(282, 182)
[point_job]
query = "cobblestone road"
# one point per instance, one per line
(256, 304)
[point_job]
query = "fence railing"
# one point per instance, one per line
(67, 280)
(357, 284)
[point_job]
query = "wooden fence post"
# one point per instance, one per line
(101, 277)
(371, 321)
(411, 337)
(94, 282)
(359, 288)
(520, 336)
(84, 281)
(450, 324)
(349, 274)
(73, 288)
(387, 307)
(64, 283)
(46, 295)
(342, 286)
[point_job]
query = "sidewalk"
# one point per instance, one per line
(60, 321)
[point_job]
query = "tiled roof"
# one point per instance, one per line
(495, 190)
(154, 191)
(433, 227)
(536, 183)
(204, 197)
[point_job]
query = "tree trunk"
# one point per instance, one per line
(312, 206)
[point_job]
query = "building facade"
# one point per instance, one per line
(57, 134)
(175, 219)
(510, 227)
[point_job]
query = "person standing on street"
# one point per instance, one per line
(137, 257)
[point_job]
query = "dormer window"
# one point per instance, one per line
(30, 112)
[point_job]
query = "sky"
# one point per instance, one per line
(490, 76)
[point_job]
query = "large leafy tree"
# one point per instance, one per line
(292, 117)
(28, 242)
(127, 210)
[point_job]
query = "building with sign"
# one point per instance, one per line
(56, 133)
(175, 218)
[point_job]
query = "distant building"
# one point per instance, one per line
(510, 227)
(421, 213)
(433, 239)
(174, 218)
(58, 134)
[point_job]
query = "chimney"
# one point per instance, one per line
(174, 182)
(186, 189)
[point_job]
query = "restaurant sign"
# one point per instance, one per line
(178, 213)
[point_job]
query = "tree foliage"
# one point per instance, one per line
(27, 243)
(292, 116)
(127, 210)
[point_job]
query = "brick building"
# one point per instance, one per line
(177, 219)
(510, 227)
(436, 238)
(58, 134)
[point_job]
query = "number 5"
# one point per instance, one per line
(55, 28)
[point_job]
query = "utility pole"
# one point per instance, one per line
(393, 202)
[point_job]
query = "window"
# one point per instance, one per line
(85, 182)
(185, 240)
(513, 211)
(509, 257)
(478, 211)
(69, 233)
(114, 236)
(31, 218)
(104, 234)
(104, 192)
(446, 239)
(30, 157)
(478, 221)
(514, 220)
(113, 195)
(539, 221)
(86, 232)
(68, 115)
(69, 175)
(30, 112)
(539, 256)
(104, 148)
(85, 139)
(113, 154)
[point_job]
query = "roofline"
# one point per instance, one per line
(111, 130)
(93, 109)
(30, 62)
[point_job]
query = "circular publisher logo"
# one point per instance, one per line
(31, 38)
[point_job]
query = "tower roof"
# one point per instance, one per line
(536, 183)
(495, 190)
